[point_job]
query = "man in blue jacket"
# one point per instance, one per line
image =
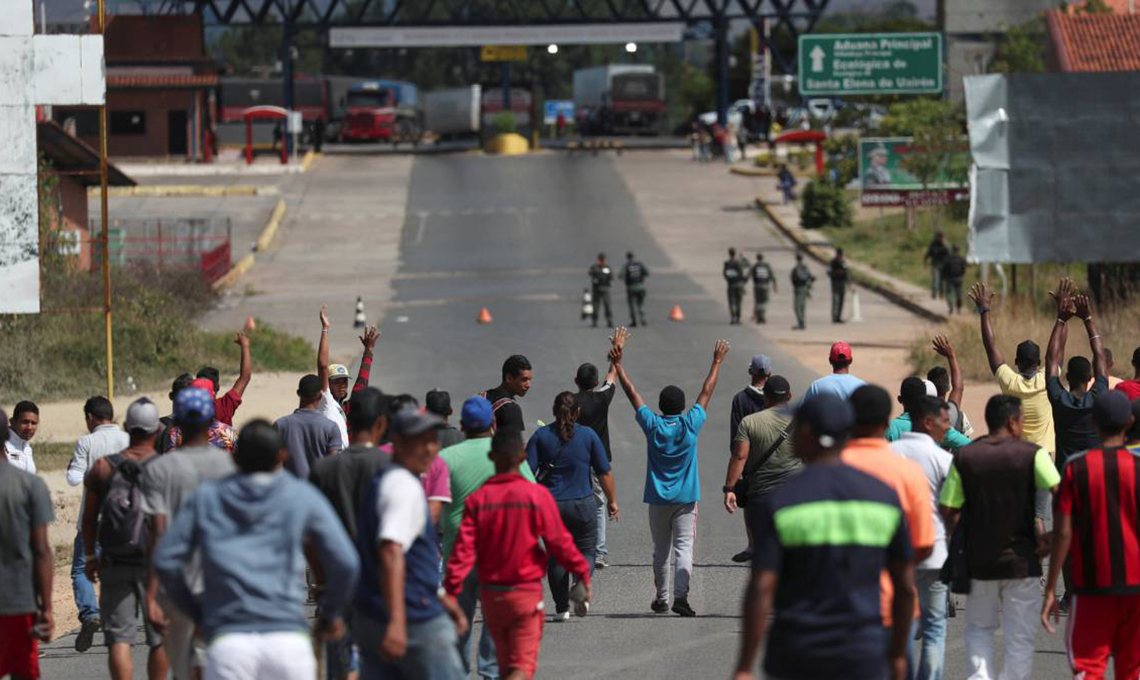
(250, 530)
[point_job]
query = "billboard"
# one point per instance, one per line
(881, 166)
(552, 107)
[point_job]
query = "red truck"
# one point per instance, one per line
(382, 110)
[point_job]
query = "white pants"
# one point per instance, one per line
(184, 650)
(261, 656)
(1018, 601)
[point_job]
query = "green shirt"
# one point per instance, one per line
(953, 441)
(470, 466)
(761, 430)
(1045, 476)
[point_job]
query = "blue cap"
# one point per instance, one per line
(828, 416)
(193, 406)
(477, 414)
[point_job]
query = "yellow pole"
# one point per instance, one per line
(105, 238)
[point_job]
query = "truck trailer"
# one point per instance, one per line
(620, 99)
(453, 112)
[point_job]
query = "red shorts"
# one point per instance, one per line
(19, 651)
(515, 619)
(1101, 626)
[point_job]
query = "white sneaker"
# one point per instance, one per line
(561, 617)
(581, 608)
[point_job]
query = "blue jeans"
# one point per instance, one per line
(488, 663)
(933, 598)
(85, 599)
(600, 497)
(432, 652)
(580, 518)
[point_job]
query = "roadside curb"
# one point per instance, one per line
(308, 159)
(176, 190)
(264, 240)
(862, 274)
(752, 172)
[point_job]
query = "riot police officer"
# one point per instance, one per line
(762, 280)
(734, 275)
(634, 274)
(802, 279)
(601, 278)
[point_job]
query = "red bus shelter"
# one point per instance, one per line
(804, 137)
(262, 113)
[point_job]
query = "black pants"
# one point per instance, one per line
(581, 520)
(636, 300)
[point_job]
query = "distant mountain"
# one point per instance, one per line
(926, 9)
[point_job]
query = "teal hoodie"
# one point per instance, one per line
(250, 529)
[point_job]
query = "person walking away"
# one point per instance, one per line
(787, 184)
(991, 489)
(439, 403)
(167, 482)
(840, 277)
(953, 271)
(634, 274)
(911, 392)
(1073, 408)
(733, 273)
(517, 376)
(1113, 381)
(931, 423)
(309, 435)
(949, 384)
(797, 576)
(869, 451)
(499, 539)
(103, 438)
(564, 455)
(250, 532)
(344, 479)
(404, 628)
(802, 278)
(762, 279)
(113, 516)
(744, 403)
(18, 444)
(936, 254)
(672, 477)
(839, 382)
(762, 458)
(470, 465)
(1095, 536)
(601, 280)
(26, 617)
(220, 434)
(227, 405)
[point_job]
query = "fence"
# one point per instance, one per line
(202, 243)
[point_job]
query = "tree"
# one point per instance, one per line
(842, 159)
(1022, 48)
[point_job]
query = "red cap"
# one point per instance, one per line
(840, 352)
(208, 385)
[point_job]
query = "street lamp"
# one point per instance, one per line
(631, 47)
(552, 49)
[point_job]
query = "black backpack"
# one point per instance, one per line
(122, 530)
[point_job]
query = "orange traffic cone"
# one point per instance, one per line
(484, 316)
(676, 314)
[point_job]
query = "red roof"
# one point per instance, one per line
(165, 82)
(1095, 43)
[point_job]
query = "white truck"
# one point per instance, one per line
(453, 112)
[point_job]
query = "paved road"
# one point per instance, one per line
(516, 235)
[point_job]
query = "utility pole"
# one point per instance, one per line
(720, 27)
(287, 73)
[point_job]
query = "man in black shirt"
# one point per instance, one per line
(840, 278)
(953, 271)
(517, 376)
(936, 254)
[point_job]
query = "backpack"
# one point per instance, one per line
(955, 267)
(634, 273)
(499, 403)
(732, 272)
(122, 529)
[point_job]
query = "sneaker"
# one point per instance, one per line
(87, 634)
(601, 563)
(578, 599)
(581, 608)
(742, 556)
(561, 617)
(659, 606)
(681, 607)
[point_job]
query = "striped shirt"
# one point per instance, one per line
(1099, 491)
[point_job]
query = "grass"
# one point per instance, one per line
(52, 456)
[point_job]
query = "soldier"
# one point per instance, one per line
(734, 269)
(634, 274)
(801, 285)
(601, 278)
(840, 278)
(762, 278)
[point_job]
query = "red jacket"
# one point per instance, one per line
(502, 523)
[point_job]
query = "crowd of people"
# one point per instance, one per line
(398, 526)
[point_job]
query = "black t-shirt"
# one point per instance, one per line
(509, 415)
(1072, 417)
(595, 412)
(345, 477)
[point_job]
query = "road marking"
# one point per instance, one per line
(420, 229)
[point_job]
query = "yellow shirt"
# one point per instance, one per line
(1036, 411)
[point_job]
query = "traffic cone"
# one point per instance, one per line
(676, 314)
(484, 316)
(360, 319)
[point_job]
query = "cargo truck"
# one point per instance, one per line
(620, 99)
(382, 110)
(453, 112)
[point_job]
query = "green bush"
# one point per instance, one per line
(504, 122)
(824, 206)
(843, 157)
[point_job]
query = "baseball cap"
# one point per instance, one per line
(1028, 353)
(840, 352)
(204, 384)
(193, 406)
(476, 414)
(412, 421)
(828, 416)
(1111, 411)
(337, 372)
(761, 365)
(142, 415)
(777, 386)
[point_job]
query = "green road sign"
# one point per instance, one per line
(870, 63)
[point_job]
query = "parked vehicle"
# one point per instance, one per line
(620, 99)
(522, 103)
(454, 112)
(382, 110)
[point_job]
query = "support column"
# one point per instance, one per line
(287, 75)
(720, 28)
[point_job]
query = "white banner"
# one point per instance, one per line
(473, 36)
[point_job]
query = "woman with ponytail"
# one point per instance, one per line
(562, 454)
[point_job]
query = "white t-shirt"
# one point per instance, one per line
(935, 463)
(334, 412)
(401, 507)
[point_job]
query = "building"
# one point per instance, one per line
(160, 89)
(1094, 43)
